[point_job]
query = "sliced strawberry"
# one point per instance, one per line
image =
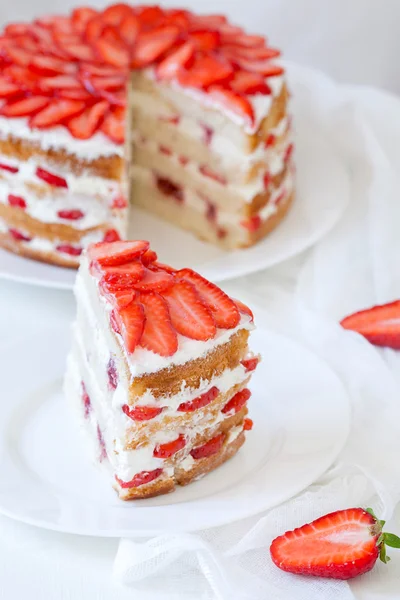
(189, 316)
(81, 17)
(78, 94)
(56, 113)
(243, 39)
(13, 29)
(119, 202)
(233, 102)
(205, 40)
(209, 448)
(112, 374)
(111, 235)
(116, 13)
(249, 83)
(170, 448)
(223, 309)
(270, 141)
(180, 58)
(84, 125)
(51, 178)
(112, 53)
(94, 29)
(25, 107)
(248, 425)
(151, 45)
(380, 324)
(99, 70)
(118, 298)
(66, 82)
(237, 402)
(208, 21)
(113, 126)
(243, 308)
(71, 214)
(19, 56)
(114, 322)
(179, 17)
(140, 479)
(117, 253)
(148, 257)
(151, 16)
(265, 67)
(158, 281)
(252, 224)
(250, 364)
(25, 79)
(158, 335)
(110, 83)
(142, 413)
(258, 53)
(207, 172)
(8, 88)
(76, 50)
(48, 65)
(130, 321)
(160, 266)
(205, 71)
(123, 275)
(169, 188)
(129, 29)
(16, 201)
(200, 401)
(69, 249)
(18, 235)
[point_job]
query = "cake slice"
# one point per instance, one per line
(159, 369)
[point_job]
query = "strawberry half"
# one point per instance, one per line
(233, 102)
(116, 253)
(340, 545)
(380, 325)
(130, 322)
(158, 335)
(223, 309)
(189, 316)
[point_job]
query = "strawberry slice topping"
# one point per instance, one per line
(113, 254)
(154, 281)
(237, 402)
(149, 257)
(150, 45)
(250, 83)
(7, 88)
(113, 125)
(234, 102)
(123, 276)
(16, 201)
(245, 310)
(25, 107)
(205, 71)
(111, 235)
(56, 113)
(189, 316)
(265, 67)
(49, 65)
(380, 324)
(81, 16)
(118, 298)
(112, 53)
(205, 40)
(130, 321)
(200, 401)
(140, 479)
(224, 311)
(170, 448)
(158, 335)
(129, 29)
(84, 125)
(175, 61)
(142, 413)
(51, 178)
(209, 448)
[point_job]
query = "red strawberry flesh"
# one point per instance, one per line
(117, 253)
(380, 324)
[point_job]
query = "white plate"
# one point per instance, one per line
(301, 416)
(322, 194)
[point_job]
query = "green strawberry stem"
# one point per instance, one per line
(384, 539)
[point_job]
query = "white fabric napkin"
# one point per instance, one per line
(355, 266)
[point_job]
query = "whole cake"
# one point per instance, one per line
(159, 369)
(201, 106)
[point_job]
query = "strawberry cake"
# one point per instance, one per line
(159, 369)
(180, 114)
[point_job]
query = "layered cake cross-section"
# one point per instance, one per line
(183, 115)
(159, 370)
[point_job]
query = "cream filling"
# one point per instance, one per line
(60, 138)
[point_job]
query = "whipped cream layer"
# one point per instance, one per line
(59, 138)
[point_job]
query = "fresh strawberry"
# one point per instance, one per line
(84, 125)
(111, 235)
(71, 215)
(207, 172)
(18, 235)
(150, 16)
(123, 276)
(257, 53)
(112, 53)
(205, 40)
(151, 45)
(48, 65)
(129, 29)
(130, 321)
(170, 448)
(265, 67)
(252, 224)
(158, 335)
(141, 413)
(81, 17)
(114, 321)
(248, 425)
(157, 281)
(94, 29)
(157, 266)
(69, 249)
(140, 479)
(237, 402)
(223, 309)
(380, 324)
(99, 70)
(148, 257)
(189, 316)
(180, 58)
(118, 298)
(73, 48)
(66, 82)
(19, 56)
(250, 364)
(243, 308)
(234, 102)
(7, 88)
(205, 71)
(116, 253)
(249, 83)
(208, 21)
(25, 107)
(51, 178)
(78, 94)
(209, 448)
(56, 113)
(340, 545)
(9, 168)
(116, 13)
(200, 401)
(113, 125)
(16, 201)
(97, 84)
(243, 39)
